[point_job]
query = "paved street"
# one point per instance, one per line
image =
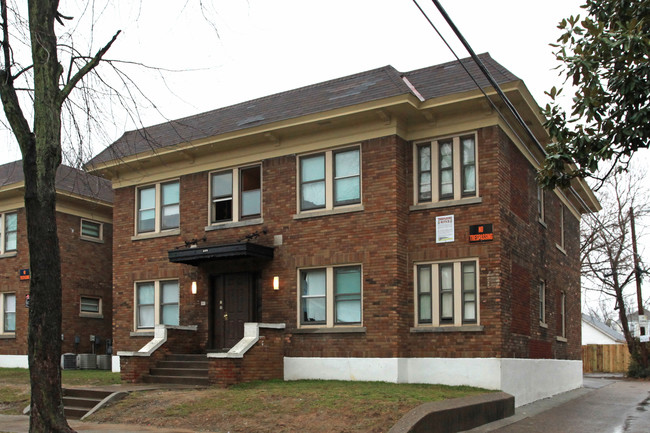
(603, 406)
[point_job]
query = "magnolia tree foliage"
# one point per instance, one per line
(605, 59)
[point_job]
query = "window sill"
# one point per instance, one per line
(340, 330)
(142, 334)
(231, 224)
(327, 212)
(542, 223)
(7, 336)
(143, 236)
(543, 325)
(438, 329)
(561, 339)
(9, 254)
(447, 203)
(95, 240)
(562, 250)
(91, 315)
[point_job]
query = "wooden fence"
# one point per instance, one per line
(605, 358)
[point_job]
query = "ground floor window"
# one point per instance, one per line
(156, 302)
(447, 293)
(90, 306)
(330, 296)
(8, 310)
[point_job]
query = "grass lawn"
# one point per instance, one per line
(259, 407)
(14, 385)
(278, 406)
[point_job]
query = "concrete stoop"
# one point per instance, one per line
(180, 369)
(456, 415)
(78, 403)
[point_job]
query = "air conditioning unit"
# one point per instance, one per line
(87, 361)
(68, 361)
(104, 362)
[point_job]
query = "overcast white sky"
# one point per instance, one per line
(264, 47)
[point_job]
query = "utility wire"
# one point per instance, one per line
(496, 87)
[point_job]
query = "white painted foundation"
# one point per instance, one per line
(115, 364)
(14, 361)
(527, 379)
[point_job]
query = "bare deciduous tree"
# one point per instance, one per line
(607, 256)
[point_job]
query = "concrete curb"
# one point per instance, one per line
(451, 416)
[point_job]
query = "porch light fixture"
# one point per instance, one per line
(194, 287)
(276, 283)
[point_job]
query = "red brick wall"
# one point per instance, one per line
(85, 269)
(386, 239)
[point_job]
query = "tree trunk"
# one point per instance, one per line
(40, 163)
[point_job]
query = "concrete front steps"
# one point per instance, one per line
(180, 369)
(78, 402)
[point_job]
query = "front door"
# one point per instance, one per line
(232, 306)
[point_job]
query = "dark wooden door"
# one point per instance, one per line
(232, 307)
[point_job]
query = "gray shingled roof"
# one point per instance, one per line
(67, 179)
(373, 85)
(603, 328)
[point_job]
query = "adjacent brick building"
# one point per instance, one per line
(84, 212)
(387, 225)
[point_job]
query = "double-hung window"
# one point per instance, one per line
(8, 310)
(330, 296)
(562, 315)
(156, 302)
(446, 169)
(158, 207)
(9, 232)
(540, 204)
(562, 229)
(330, 179)
(236, 195)
(447, 293)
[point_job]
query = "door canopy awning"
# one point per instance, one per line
(195, 255)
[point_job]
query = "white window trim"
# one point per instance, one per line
(541, 206)
(2, 313)
(562, 335)
(157, 231)
(561, 245)
(157, 303)
(90, 238)
(330, 207)
(91, 314)
(541, 303)
(3, 232)
(329, 298)
(236, 220)
(457, 294)
(458, 196)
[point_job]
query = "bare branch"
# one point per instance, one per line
(85, 69)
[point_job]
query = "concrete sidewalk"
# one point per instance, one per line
(20, 424)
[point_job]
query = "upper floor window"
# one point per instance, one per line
(330, 296)
(236, 194)
(447, 293)
(9, 232)
(91, 229)
(156, 303)
(330, 179)
(562, 227)
(158, 207)
(8, 310)
(563, 315)
(446, 169)
(540, 204)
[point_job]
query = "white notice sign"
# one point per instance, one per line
(444, 229)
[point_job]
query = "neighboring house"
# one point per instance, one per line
(380, 226)
(596, 332)
(83, 216)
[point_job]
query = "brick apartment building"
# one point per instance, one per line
(381, 226)
(84, 212)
